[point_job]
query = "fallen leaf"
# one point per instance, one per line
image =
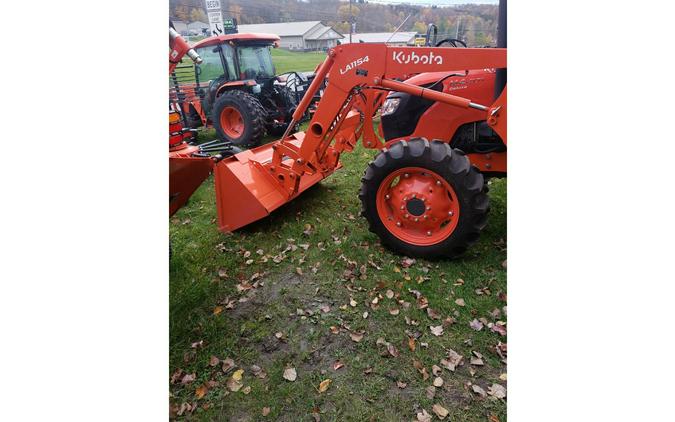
(437, 330)
(476, 325)
(423, 416)
(460, 302)
(214, 361)
(234, 384)
(228, 364)
(222, 273)
(497, 391)
(478, 390)
(238, 374)
(431, 392)
(365, 315)
(392, 350)
(357, 337)
(502, 376)
(337, 365)
(499, 328)
(266, 411)
(436, 370)
(217, 310)
(401, 384)
(290, 374)
(389, 294)
(201, 391)
(197, 344)
(352, 302)
(324, 308)
(453, 360)
(411, 344)
(188, 378)
(433, 314)
(323, 386)
(394, 311)
(476, 362)
(438, 382)
(407, 262)
(440, 411)
(246, 389)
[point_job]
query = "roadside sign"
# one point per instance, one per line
(212, 4)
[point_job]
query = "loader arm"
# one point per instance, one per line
(351, 69)
(262, 179)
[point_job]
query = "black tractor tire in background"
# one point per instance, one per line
(252, 114)
(455, 168)
(280, 129)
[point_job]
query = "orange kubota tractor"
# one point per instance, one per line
(421, 197)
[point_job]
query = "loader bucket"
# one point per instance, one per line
(246, 193)
(186, 174)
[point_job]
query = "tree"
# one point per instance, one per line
(198, 15)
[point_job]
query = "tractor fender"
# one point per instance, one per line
(228, 86)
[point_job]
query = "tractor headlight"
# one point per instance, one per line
(390, 105)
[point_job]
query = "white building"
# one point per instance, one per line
(399, 38)
(197, 28)
(307, 35)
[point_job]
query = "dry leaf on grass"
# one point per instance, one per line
(411, 344)
(440, 411)
(217, 310)
(357, 337)
(436, 330)
(459, 302)
(228, 364)
(401, 384)
(234, 384)
(423, 416)
(438, 382)
(389, 294)
(214, 361)
(337, 365)
(290, 374)
(266, 411)
(478, 390)
(188, 378)
(431, 392)
(452, 361)
(201, 391)
(476, 325)
(497, 391)
(323, 386)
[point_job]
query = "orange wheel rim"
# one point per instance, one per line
(231, 122)
(417, 206)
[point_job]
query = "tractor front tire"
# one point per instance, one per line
(424, 199)
(239, 118)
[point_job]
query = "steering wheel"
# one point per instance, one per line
(451, 41)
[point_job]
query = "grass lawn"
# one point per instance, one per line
(286, 61)
(297, 289)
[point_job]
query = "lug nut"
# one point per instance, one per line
(414, 195)
(402, 207)
(416, 219)
(407, 215)
(398, 224)
(406, 175)
(450, 213)
(429, 233)
(387, 196)
(428, 208)
(438, 182)
(422, 199)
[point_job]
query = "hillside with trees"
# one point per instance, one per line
(475, 24)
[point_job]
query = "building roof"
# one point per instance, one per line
(283, 29)
(323, 33)
(197, 25)
(381, 37)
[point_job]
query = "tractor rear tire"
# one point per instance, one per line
(424, 199)
(239, 118)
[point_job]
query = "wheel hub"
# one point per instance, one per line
(418, 206)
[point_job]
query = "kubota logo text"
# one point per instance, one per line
(352, 65)
(401, 57)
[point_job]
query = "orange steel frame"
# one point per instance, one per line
(262, 179)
